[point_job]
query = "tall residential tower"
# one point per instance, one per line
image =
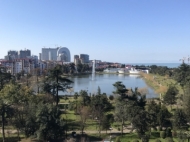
(56, 54)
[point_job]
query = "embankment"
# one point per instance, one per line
(160, 83)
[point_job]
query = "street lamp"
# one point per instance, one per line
(110, 133)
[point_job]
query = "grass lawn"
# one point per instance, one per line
(155, 135)
(11, 137)
(65, 99)
(160, 83)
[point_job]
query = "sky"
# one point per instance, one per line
(125, 31)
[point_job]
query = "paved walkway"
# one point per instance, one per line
(125, 130)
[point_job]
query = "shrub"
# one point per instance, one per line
(181, 136)
(159, 128)
(135, 140)
(118, 129)
(117, 139)
(174, 134)
(168, 132)
(111, 97)
(145, 138)
(71, 106)
(157, 140)
(169, 140)
(163, 134)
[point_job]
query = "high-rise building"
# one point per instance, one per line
(76, 59)
(11, 55)
(49, 54)
(24, 53)
(40, 56)
(84, 58)
(56, 54)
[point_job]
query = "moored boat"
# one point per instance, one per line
(134, 71)
(123, 70)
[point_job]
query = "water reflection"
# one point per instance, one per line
(106, 81)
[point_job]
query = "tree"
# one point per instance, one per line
(4, 77)
(76, 97)
(182, 74)
(65, 68)
(37, 83)
(138, 98)
(79, 67)
(18, 76)
(50, 125)
(186, 105)
(180, 119)
(14, 98)
(120, 89)
(170, 96)
(85, 99)
(107, 120)
(84, 112)
(72, 68)
(121, 112)
(55, 82)
(99, 106)
(99, 91)
(7, 99)
(163, 117)
(140, 121)
(5, 108)
(129, 106)
(153, 108)
(111, 97)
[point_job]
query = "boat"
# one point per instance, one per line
(111, 70)
(134, 71)
(123, 70)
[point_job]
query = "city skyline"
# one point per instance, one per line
(116, 31)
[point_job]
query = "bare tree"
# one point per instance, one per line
(84, 115)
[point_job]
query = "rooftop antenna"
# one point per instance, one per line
(183, 60)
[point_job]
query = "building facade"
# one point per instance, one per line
(84, 58)
(11, 55)
(56, 54)
(24, 53)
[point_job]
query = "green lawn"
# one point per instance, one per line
(160, 83)
(155, 135)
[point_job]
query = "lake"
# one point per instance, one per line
(106, 81)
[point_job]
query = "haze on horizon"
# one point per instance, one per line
(126, 31)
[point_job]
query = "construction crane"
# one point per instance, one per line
(183, 60)
(188, 59)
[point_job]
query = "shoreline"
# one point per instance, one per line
(160, 84)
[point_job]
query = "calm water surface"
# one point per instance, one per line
(106, 81)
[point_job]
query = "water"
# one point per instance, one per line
(106, 81)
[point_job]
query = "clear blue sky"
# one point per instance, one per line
(126, 31)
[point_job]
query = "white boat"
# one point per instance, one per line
(123, 70)
(111, 70)
(134, 71)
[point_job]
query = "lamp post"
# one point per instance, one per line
(110, 133)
